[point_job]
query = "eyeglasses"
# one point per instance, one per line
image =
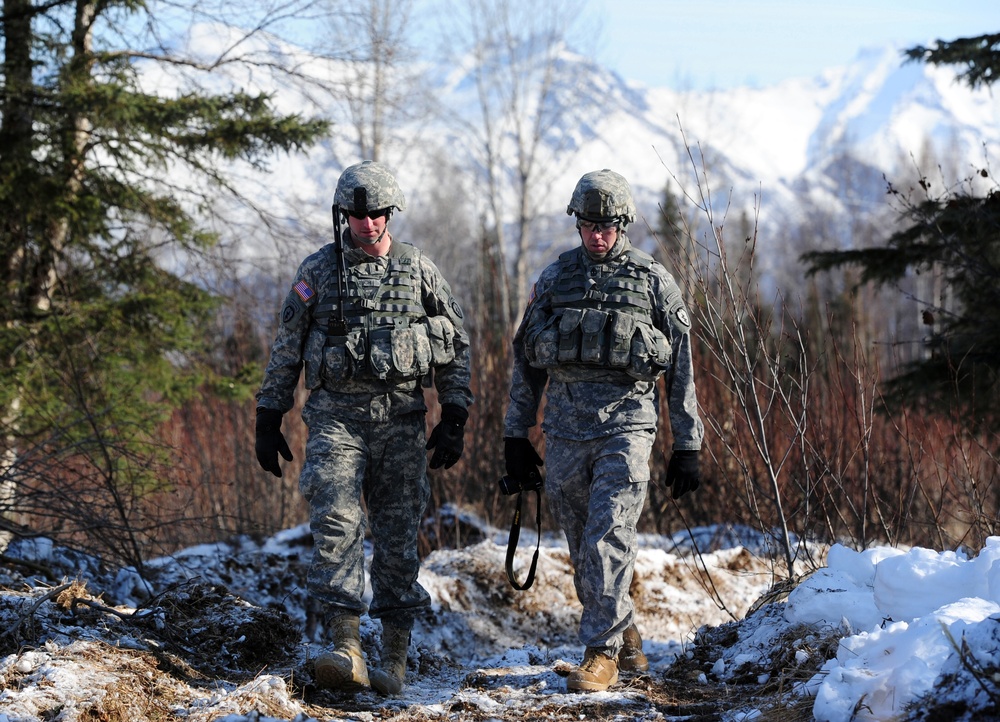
(599, 227)
(380, 213)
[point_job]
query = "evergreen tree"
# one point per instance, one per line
(954, 234)
(980, 55)
(100, 178)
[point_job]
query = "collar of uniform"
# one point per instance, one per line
(355, 253)
(355, 256)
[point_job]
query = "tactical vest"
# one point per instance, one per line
(388, 334)
(600, 321)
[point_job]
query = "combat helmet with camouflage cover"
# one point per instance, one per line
(602, 195)
(368, 186)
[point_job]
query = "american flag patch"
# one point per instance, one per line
(302, 288)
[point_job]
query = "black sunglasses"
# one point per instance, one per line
(370, 214)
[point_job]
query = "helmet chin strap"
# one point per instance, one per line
(372, 243)
(615, 249)
(611, 253)
(381, 235)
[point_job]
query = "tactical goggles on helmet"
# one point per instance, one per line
(373, 214)
(600, 226)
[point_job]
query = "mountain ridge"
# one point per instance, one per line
(879, 110)
(831, 141)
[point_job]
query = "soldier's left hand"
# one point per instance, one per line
(270, 441)
(682, 472)
(448, 437)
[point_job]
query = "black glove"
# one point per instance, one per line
(448, 437)
(521, 461)
(269, 441)
(682, 472)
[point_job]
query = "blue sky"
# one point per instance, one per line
(706, 44)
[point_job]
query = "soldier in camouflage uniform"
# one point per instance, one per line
(367, 336)
(602, 324)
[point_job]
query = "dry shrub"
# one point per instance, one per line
(220, 634)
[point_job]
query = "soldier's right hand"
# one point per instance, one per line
(270, 441)
(683, 473)
(520, 459)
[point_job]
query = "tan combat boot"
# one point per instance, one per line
(631, 658)
(343, 669)
(597, 672)
(388, 678)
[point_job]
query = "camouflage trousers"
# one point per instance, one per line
(596, 490)
(385, 463)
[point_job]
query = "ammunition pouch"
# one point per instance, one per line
(401, 353)
(604, 339)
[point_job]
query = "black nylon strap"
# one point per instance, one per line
(515, 534)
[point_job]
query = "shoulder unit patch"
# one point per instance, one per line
(680, 315)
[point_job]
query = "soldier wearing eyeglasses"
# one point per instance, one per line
(602, 325)
(368, 322)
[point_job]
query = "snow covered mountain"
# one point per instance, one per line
(789, 142)
(827, 142)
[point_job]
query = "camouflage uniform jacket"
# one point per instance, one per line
(586, 403)
(299, 342)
